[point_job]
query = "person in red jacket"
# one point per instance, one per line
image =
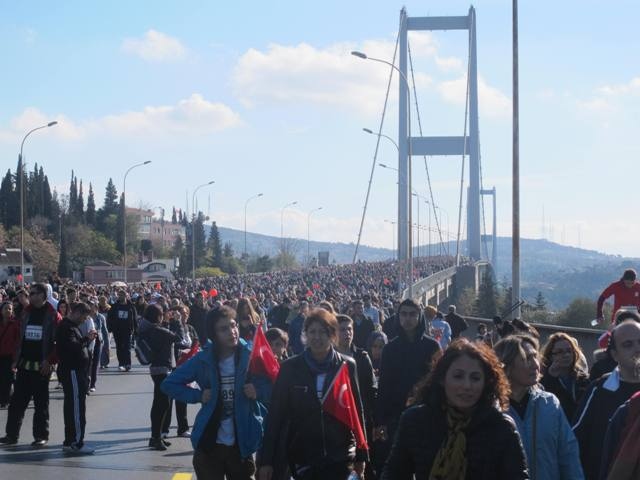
(626, 292)
(9, 334)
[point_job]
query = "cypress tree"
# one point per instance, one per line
(91, 208)
(80, 204)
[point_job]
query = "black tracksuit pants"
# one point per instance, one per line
(29, 385)
(6, 379)
(122, 336)
(74, 385)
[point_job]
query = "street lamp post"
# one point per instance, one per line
(245, 221)
(193, 229)
(404, 178)
(50, 124)
(124, 216)
(309, 232)
(282, 225)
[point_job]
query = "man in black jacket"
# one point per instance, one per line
(121, 320)
(457, 323)
(35, 356)
(605, 395)
(405, 360)
(198, 316)
(365, 376)
(73, 356)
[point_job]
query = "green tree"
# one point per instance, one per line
(465, 301)
(8, 208)
(63, 261)
(91, 208)
(43, 252)
(541, 303)
(259, 264)
(214, 246)
(80, 204)
(227, 251)
(285, 260)
(486, 305)
(579, 313)
(86, 245)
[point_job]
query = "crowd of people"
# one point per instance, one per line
(432, 399)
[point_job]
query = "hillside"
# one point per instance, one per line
(560, 272)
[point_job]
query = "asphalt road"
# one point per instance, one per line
(118, 427)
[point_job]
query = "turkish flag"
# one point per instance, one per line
(262, 360)
(339, 402)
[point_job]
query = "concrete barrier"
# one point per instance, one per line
(587, 337)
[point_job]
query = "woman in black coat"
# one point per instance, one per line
(455, 428)
(318, 446)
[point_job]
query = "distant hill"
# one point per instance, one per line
(560, 272)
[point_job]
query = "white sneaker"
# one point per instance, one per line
(121, 368)
(83, 450)
(92, 389)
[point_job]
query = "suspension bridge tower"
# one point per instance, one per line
(410, 146)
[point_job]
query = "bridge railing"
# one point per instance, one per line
(427, 283)
(587, 337)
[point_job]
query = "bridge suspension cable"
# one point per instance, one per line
(375, 154)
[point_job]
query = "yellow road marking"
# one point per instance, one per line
(182, 476)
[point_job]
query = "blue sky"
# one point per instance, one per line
(264, 97)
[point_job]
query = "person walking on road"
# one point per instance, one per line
(228, 429)
(121, 320)
(457, 323)
(9, 335)
(74, 358)
(35, 357)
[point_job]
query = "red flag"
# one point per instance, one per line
(262, 360)
(339, 402)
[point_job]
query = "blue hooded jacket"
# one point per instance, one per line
(203, 369)
(555, 448)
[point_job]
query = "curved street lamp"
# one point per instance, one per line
(193, 229)
(407, 199)
(124, 216)
(50, 124)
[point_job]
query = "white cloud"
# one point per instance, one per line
(332, 77)
(194, 116)
(448, 64)
(492, 102)
(596, 105)
(155, 46)
(329, 76)
(632, 87)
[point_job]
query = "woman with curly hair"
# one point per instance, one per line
(564, 374)
(456, 428)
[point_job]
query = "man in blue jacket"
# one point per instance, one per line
(228, 428)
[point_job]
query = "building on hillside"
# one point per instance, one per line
(158, 231)
(159, 269)
(102, 273)
(10, 265)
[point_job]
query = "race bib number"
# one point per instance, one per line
(227, 390)
(33, 333)
(123, 314)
